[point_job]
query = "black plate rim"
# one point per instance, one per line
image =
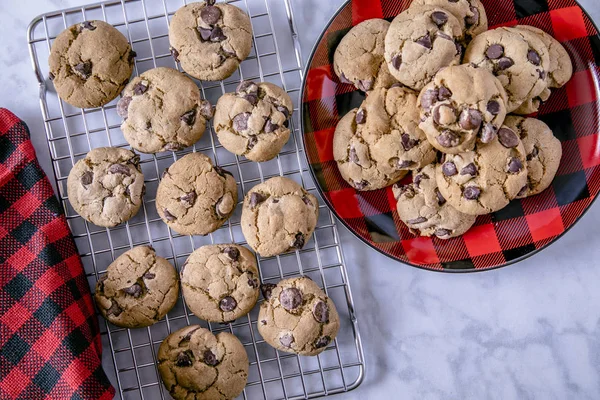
(333, 210)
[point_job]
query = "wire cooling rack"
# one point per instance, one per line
(130, 355)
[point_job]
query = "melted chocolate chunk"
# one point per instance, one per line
(533, 57)
(469, 169)
(425, 41)
(515, 165)
(495, 51)
(227, 304)
(134, 290)
(209, 357)
(240, 121)
(444, 93)
(508, 138)
(408, 142)
(290, 298)
(321, 312)
(488, 133)
(322, 342)
(87, 178)
(493, 107)
(471, 192)
(170, 217)
(439, 18)
(267, 290)
(84, 69)
(189, 198)
(397, 61)
(299, 241)
(416, 221)
(286, 340)
(256, 198)
(232, 252)
(123, 106)
(185, 359)
(210, 14)
(119, 169)
(361, 116)
(189, 118)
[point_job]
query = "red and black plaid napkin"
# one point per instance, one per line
(50, 346)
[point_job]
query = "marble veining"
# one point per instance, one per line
(528, 331)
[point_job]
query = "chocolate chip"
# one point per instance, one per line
(149, 275)
(416, 221)
(307, 201)
(170, 217)
(352, 156)
(130, 57)
(321, 312)
(534, 153)
(418, 178)
(542, 75)
(443, 35)
(449, 117)
(488, 133)
(246, 86)
(469, 169)
(397, 61)
(173, 146)
(87, 25)
(448, 139)
(251, 98)
(284, 111)
(449, 169)
(495, 51)
(175, 54)
(221, 213)
(493, 107)
(299, 241)
(84, 69)
(440, 197)
(240, 121)
(256, 198)
(232, 252)
(252, 141)
(470, 119)
(428, 98)
(270, 127)
(204, 33)
(114, 309)
(508, 138)
(286, 340)
(425, 41)
(523, 191)
(444, 93)
(210, 14)
(533, 57)
(290, 298)
(323, 341)
(343, 79)
(441, 157)
(134, 290)
(471, 192)
(189, 118)
(217, 35)
(361, 184)
(439, 18)
(405, 164)
(87, 178)
(119, 169)
(408, 191)
(459, 49)
(184, 359)
(365, 85)
(361, 116)
(227, 304)
(123, 106)
(408, 142)
(208, 356)
(472, 19)
(442, 233)
(267, 289)
(515, 165)
(189, 198)
(505, 63)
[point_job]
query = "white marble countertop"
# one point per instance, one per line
(528, 331)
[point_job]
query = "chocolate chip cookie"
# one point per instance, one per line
(470, 13)
(90, 64)
(138, 289)
(421, 41)
(543, 150)
(210, 40)
(106, 187)
(278, 216)
(359, 58)
(375, 145)
(425, 211)
(254, 122)
(194, 197)
(220, 282)
(163, 111)
(519, 59)
(487, 179)
(462, 104)
(196, 364)
(297, 317)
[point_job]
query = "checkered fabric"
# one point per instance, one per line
(50, 345)
(507, 236)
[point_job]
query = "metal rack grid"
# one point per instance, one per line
(71, 133)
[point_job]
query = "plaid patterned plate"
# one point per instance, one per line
(505, 237)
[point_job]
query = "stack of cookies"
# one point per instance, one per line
(446, 101)
(163, 110)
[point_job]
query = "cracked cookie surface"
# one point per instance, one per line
(421, 41)
(210, 40)
(543, 149)
(106, 187)
(163, 111)
(196, 364)
(297, 317)
(194, 197)
(374, 146)
(220, 283)
(487, 179)
(90, 64)
(518, 58)
(359, 58)
(470, 13)
(460, 105)
(254, 121)
(278, 215)
(138, 289)
(425, 211)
